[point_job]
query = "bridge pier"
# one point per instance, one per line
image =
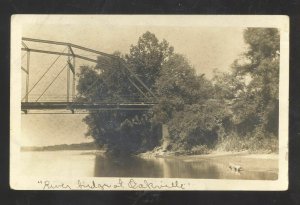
(165, 136)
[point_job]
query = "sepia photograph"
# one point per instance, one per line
(141, 102)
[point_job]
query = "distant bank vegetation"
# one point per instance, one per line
(233, 111)
(81, 146)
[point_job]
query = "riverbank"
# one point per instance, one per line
(245, 161)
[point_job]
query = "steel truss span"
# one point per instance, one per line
(70, 100)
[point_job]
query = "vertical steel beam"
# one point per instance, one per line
(72, 67)
(68, 80)
(74, 80)
(27, 76)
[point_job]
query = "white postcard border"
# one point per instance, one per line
(17, 181)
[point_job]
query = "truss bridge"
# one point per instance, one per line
(49, 79)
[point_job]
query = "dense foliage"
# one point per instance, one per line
(124, 132)
(254, 84)
(233, 111)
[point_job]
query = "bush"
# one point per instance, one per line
(232, 143)
(199, 149)
(197, 125)
(257, 143)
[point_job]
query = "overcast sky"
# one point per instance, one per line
(206, 48)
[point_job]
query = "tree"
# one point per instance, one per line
(199, 125)
(228, 86)
(186, 106)
(124, 132)
(258, 106)
(147, 57)
(177, 86)
(198, 112)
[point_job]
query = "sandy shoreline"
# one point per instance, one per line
(244, 154)
(245, 160)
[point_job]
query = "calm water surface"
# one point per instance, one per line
(87, 164)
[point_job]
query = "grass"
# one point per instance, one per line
(253, 144)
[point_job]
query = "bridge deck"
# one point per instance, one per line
(84, 106)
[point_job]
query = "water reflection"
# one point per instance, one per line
(89, 164)
(127, 167)
(171, 168)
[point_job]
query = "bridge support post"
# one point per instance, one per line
(165, 136)
(68, 77)
(74, 80)
(72, 68)
(68, 80)
(27, 76)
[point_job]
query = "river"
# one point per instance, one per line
(89, 164)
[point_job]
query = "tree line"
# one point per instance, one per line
(233, 111)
